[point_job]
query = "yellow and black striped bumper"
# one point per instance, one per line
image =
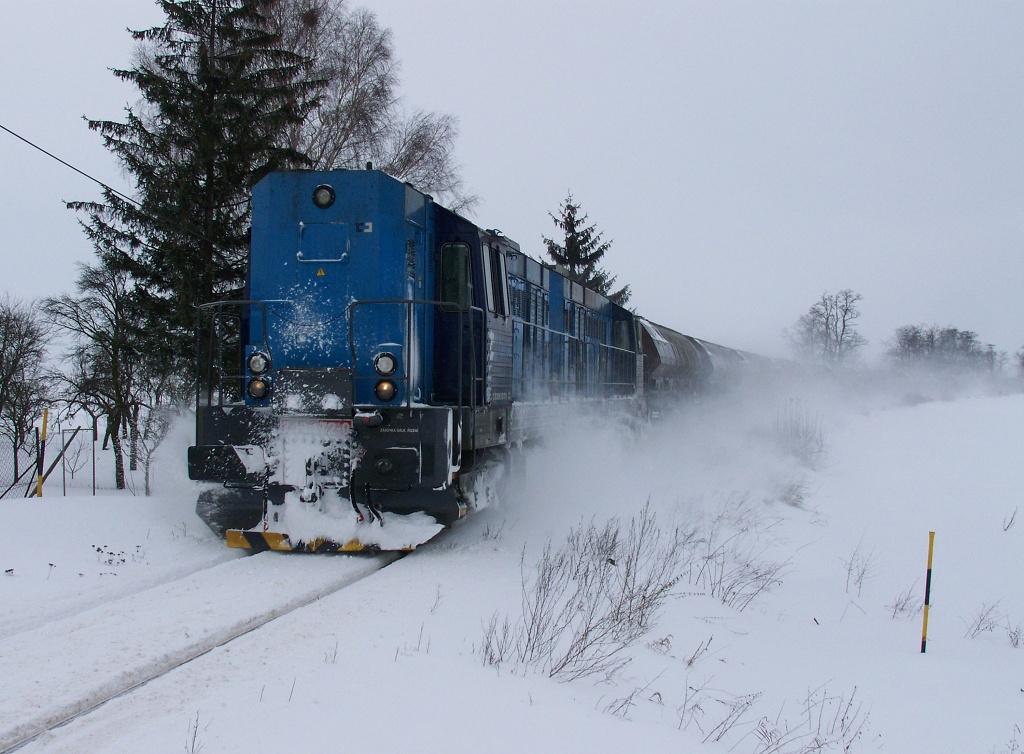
(260, 541)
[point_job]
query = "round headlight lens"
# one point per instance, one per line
(385, 390)
(385, 364)
(258, 388)
(259, 362)
(323, 196)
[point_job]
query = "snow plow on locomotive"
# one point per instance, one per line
(388, 354)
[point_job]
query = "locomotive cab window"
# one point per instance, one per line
(496, 280)
(456, 280)
(487, 256)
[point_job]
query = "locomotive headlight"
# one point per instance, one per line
(385, 390)
(385, 364)
(259, 362)
(258, 388)
(323, 196)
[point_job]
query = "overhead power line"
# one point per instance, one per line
(67, 164)
(121, 195)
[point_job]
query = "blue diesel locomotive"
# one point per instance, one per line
(388, 353)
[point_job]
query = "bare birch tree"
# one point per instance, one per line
(360, 118)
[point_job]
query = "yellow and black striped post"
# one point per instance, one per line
(927, 592)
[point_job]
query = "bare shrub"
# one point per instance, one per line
(826, 723)
(662, 646)
(791, 493)
(692, 709)
(800, 433)
(984, 621)
(736, 707)
(700, 651)
(498, 644)
(1013, 746)
(731, 564)
(906, 603)
(331, 655)
(1014, 633)
(859, 567)
(493, 531)
(193, 744)
(620, 707)
(586, 603)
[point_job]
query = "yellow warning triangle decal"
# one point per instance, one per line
(320, 273)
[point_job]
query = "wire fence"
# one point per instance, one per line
(72, 460)
(18, 466)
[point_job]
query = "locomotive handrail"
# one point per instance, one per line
(217, 308)
(447, 307)
(410, 303)
(591, 347)
(592, 341)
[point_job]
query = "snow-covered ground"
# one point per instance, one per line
(795, 623)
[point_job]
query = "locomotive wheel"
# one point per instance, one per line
(223, 508)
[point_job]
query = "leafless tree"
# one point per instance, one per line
(827, 332)
(360, 117)
(24, 388)
(155, 425)
(102, 363)
(108, 370)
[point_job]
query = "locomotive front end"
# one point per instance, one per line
(312, 411)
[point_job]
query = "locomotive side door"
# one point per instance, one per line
(457, 330)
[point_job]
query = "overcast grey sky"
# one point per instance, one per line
(743, 157)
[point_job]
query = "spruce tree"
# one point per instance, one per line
(581, 252)
(218, 96)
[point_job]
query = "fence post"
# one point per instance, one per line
(41, 456)
(94, 437)
(28, 487)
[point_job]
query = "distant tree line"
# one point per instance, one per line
(942, 347)
(828, 334)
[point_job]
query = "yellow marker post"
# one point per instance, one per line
(927, 592)
(42, 455)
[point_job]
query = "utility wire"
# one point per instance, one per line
(166, 223)
(69, 165)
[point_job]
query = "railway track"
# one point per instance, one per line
(66, 668)
(23, 617)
